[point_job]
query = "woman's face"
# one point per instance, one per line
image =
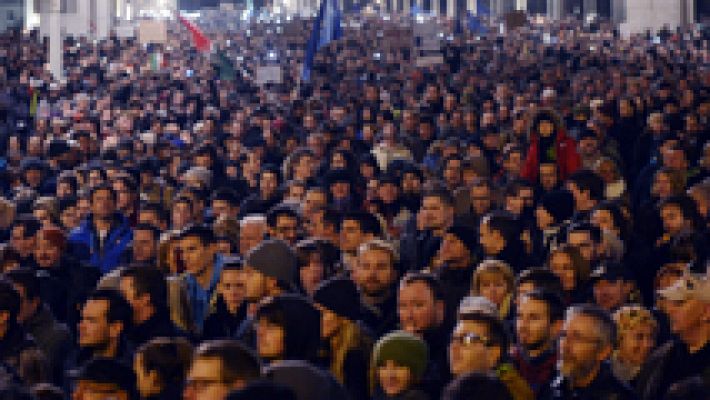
(636, 344)
(338, 161)
(329, 322)
(561, 265)
(493, 287)
(662, 186)
(604, 220)
(394, 379)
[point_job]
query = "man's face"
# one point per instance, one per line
(582, 240)
(286, 229)
(452, 173)
(480, 199)
(548, 176)
(69, 218)
(195, 255)
(468, 350)
(374, 272)
(411, 183)
(128, 291)
(579, 196)
(46, 254)
(102, 204)
(350, 235)
(269, 340)
(686, 316)
(268, 184)
(222, 208)
(532, 324)
(21, 243)
(434, 213)
(314, 199)
(250, 235)
(144, 246)
(454, 251)
(672, 218)
(610, 294)
(204, 380)
(232, 287)
(94, 327)
(254, 284)
(581, 348)
(417, 308)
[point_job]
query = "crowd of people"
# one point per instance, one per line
(526, 219)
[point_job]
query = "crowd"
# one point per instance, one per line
(526, 220)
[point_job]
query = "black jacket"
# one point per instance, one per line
(159, 325)
(52, 337)
(221, 324)
(604, 387)
(669, 364)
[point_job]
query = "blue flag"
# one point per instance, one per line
(476, 25)
(326, 28)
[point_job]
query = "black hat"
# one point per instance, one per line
(57, 147)
(109, 371)
(340, 296)
(274, 258)
(467, 236)
(559, 203)
(338, 175)
(610, 271)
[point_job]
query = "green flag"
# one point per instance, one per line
(225, 67)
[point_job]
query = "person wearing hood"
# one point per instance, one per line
(347, 344)
(454, 265)
(288, 327)
(551, 216)
(398, 363)
(549, 142)
(306, 381)
(500, 238)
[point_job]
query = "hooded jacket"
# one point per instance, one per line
(567, 159)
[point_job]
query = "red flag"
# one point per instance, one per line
(202, 42)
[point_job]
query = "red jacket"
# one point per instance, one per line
(568, 160)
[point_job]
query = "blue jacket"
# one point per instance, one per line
(85, 244)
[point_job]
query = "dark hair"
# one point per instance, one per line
(147, 227)
(181, 198)
(594, 232)
(503, 223)
(442, 194)
(693, 388)
(238, 362)
(328, 253)
(263, 390)
(201, 232)
(103, 186)
(497, 333)
(118, 308)
(170, 358)
(27, 279)
(279, 210)
(555, 306)
(9, 299)
(226, 194)
(685, 204)
(586, 180)
(331, 217)
(30, 224)
(541, 278)
(367, 221)
(150, 281)
(426, 278)
(477, 386)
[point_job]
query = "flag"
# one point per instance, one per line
(326, 28)
(201, 41)
(34, 101)
(156, 60)
(225, 67)
(476, 24)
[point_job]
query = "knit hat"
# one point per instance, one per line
(467, 236)
(559, 203)
(404, 349)
(273, 258)
(339, 295)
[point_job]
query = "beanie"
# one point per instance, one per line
(404, 349)
(559, 203)
(339, 295)
(273, 258)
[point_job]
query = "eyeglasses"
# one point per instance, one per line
(576, 338)
(469, 339)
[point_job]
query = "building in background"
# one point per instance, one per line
(12, 14)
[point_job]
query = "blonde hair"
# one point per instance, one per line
(492, 267)
(348, 337)
(634, 316)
